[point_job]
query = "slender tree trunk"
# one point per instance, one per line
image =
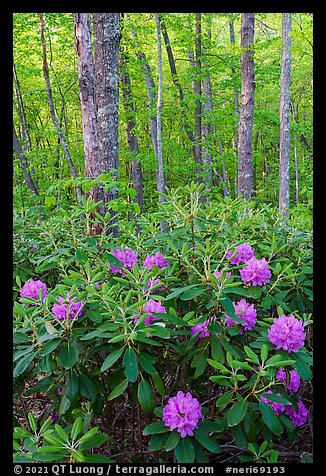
(106, 51)
(151, 94)
(296, 176)
(206, 129)
(27, 144)
(246, 108)
(284, 192)
(52, 110)
(25, 165)
(178, 86)
(160, 176)
(198, 108)
(136, 170)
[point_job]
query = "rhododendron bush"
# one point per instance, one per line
(188, 345)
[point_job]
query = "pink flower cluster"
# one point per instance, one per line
(182, 413)
(202, 328)
(299, 417)
(156, 260)
(127, 259)
(256, 271)
(245, 312)
(287, 333)
(31, 289)
(243, 254)
(294, 383)
(152, 307)
(67, 308)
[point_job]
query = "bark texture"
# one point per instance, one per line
(246, 107)
(284, 192)
(106, 52)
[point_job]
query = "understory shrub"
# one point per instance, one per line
(183, 344)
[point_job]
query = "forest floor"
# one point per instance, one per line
(127, 444)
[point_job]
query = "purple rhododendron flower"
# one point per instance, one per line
(182, 413)
(31, 289)
(218, 275)
(202, 328)
(54, 417)
(153, 282)
(294, 383)
(243, 255)
(150, 307)
(287, 333)
(60, 390)
(299, 417)
(256, 271)
(127, 259)
(244, 311)
(277, 407)
(156, 260)
(67, 308)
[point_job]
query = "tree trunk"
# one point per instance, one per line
(86, 76)
(151, 94)
(178, 86)
(24, 163)
(284, 192)
(136, 170)
(27, 144)
(246, 108)
(106, 50)
(52, 111)
(160, 176)
(198, 108)
(207, 162)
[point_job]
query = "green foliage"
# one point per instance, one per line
(106, 360)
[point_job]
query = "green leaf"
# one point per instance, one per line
(72, 384)
(172, 441)
(264, 352)
(251, 354)
(49, 347)
(87, 388)
(157, 442)
(131, 365)
(211, 426)
(223, 400)
(177, 291)
(68, 355)
(254, 292)
(76, 428)
(112, 260)
(237, 412)
(146, 361)
(88, 435)
(61, 432)
(113, 357)
(192, 293)
(154, 428)
(276, 398)
(23, 364)
(159, 384)
(32, 422)
(270, 418)
(119, 389)
(146, 396)
(184, 451)
(95, 440)
(207, 441)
